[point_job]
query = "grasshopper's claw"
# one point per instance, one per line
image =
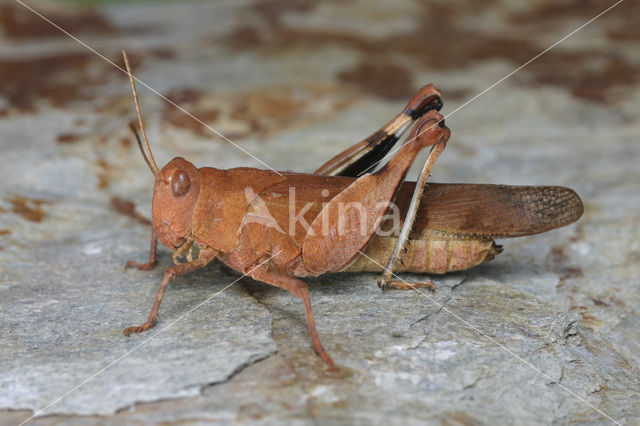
(141, 266)
(144, 327)
(402, 285)
(383, 283)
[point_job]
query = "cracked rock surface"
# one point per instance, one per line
(545, 333)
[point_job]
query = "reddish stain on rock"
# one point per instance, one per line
(590, 75)
(162, 53)
(185, 95)
(599, 302)
(5, 232)
(184, 121)
(189, 99)
(125, 141)
(265, 111)
(272, 10)
(259, 111)
(439, 40)
(18, 22)
(27, 208)
(67, 138)
(571, 272)
(386, 80)
(458, 93)
(580, 308)
(558, 255)
(58, 79)
(242, 38)
(103, 174)
(553, 10)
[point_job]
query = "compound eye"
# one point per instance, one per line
(180, 183)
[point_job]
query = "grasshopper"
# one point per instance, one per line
(242, 216)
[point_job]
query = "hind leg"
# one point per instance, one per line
(418, 133)
(364, 156)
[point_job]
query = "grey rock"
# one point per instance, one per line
(547, 333)
(63, 320)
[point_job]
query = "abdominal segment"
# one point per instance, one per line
(434, 252)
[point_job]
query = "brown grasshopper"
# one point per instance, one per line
(242, 216)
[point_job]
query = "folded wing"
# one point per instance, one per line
(497, 211)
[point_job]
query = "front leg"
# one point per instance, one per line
(152, 255)
(185, 249)
(206, 255)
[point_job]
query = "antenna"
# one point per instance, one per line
(151, 162)
(144, 154)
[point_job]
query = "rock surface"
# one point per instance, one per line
(545, 333)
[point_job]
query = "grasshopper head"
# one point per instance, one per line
(175, 195)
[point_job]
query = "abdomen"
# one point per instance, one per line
(433, 252)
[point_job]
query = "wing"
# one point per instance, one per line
(495, 211)
(481, 210)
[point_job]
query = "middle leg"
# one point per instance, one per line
(300, 290)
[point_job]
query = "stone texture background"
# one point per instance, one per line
(294, 82)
